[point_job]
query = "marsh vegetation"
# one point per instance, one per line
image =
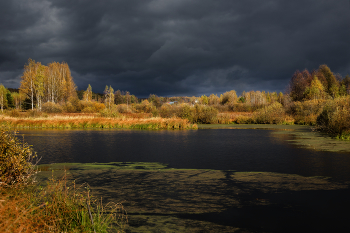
(53, 206)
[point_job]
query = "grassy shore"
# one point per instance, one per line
(71, 121)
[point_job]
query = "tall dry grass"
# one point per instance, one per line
(17, 216)
(59, 206)
(71, 122)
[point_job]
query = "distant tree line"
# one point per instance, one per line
(51, 88)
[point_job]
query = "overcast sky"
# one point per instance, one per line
(176, 47)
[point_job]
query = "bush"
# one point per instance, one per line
(88, 110)
(34, 113)
(76, 104)
(306, 112)
(123, 108)
(91, 106)
(69, 107)
(14, 113)
(221, 108)
(50, 107)
(241, 119)
(109, 113)
(184, 111)
(272, 114)
(155, 112)
(224, 118)
(335, 117)
(241, 107)
(98, 106)
(167, 111)
(205, 115)
(145, 107)
(15, 159)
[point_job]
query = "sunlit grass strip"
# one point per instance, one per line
(98, 123)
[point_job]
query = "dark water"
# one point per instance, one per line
(219, 204)
(221, 149)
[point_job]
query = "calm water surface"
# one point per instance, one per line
(221, 149)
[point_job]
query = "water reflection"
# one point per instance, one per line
(221, 149)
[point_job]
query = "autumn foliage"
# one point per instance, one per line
(51, 83)
(51, 90)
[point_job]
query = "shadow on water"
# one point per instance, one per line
(192, 200)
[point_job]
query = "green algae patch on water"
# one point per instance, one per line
(161, 199)
(299, 135)
(110, 165)
(58, 169)
(311, 139)
(251, 126)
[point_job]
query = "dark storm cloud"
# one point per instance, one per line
(176, 47)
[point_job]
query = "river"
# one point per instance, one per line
(206, 180)
(220, 149)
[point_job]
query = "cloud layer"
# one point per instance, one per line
(176, 47)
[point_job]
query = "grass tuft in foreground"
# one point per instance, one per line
(59, 206)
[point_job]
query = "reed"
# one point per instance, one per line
(90, 122)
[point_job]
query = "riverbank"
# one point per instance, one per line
(91, 122)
